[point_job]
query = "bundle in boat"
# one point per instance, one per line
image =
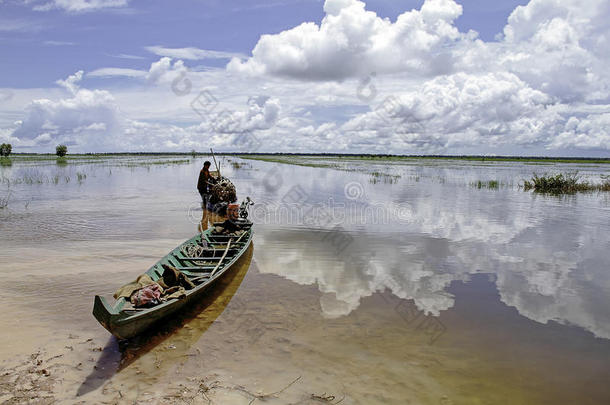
(223, 191)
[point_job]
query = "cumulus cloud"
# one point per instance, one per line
(589, 132)
(351, 41)
(560, 47)
(92, 120)
(262, 113)
(525, 89)
(462, 110)
(190, 53)
(165, 71)
(71, 83)
(87, 113)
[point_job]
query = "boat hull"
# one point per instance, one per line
(125, 324)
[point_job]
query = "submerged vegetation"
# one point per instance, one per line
(154, 162)
(490, 184)
(301, 160)
(564, 183)
(239, 165)
(35, 177)
(378, 176)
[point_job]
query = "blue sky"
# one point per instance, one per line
(56, 43)
(542, 61)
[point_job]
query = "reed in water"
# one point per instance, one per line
(561, 183)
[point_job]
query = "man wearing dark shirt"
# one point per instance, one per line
(204, 180)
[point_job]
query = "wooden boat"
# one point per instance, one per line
(222, 251)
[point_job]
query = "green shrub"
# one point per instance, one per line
(561, 183)
(61, 150)
(5, 149)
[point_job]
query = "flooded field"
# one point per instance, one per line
(369, 282)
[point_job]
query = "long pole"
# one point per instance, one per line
(221, 259)
(215, 164)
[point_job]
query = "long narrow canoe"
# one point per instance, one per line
(124, 321)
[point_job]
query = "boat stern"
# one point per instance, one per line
(104, 312)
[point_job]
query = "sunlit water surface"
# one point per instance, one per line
(400, 282)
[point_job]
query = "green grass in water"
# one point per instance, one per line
(563, 183)
(490, 184)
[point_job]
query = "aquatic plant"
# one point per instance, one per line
(80, 176)
(239, 165)
(61, 150)
(4, 161)
(490, 184)
(157, 162)
(563, 183)
(377, 176)
(62, 161)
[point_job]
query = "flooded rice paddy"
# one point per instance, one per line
(400, 282)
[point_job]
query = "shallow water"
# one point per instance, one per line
(397, 282)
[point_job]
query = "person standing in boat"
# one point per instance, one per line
(205, 180)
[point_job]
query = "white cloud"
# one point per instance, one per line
(5, 95)
(19, 25)
(59, 43)
(560, 47)
(71, 83)
(191, 53)
(351, 42)
(460, 110)
(127, 56)
(111, 72)
(262, 113)
(164, 70)
(525, 90)
(590, 132)
(161, 71)
(80, 118)
(79, 6)
(92, 120)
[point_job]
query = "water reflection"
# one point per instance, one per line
(547, 255)
(208, 218)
